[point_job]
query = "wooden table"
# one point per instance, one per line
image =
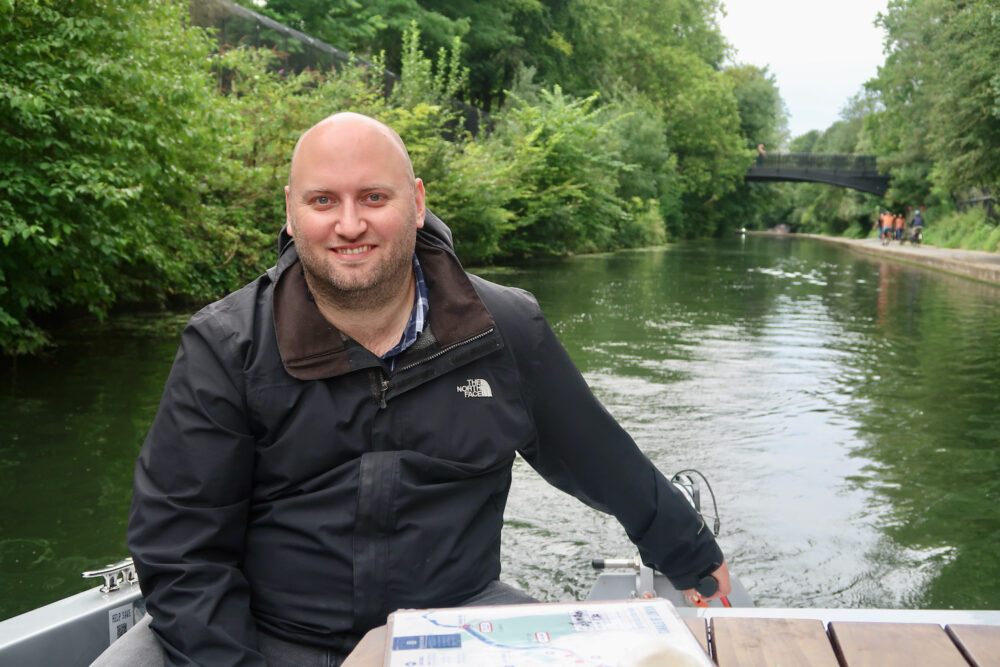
(733, 641)
(770, 642)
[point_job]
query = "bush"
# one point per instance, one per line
(263, 109)
(101, 106)
(139, 164)
(569, 161)
(968, 230)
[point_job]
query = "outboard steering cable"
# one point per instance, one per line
(692, 489)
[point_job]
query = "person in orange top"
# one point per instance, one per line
(899, 223)
(885, 226)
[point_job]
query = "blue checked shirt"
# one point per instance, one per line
(418, 316)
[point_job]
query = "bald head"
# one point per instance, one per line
(345, 125)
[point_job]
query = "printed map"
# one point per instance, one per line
(582, 634)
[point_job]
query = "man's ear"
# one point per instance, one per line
(288, 212)
(419, 199)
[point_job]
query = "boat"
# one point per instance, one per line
(75, 630)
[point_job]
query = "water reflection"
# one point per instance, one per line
(73, 421)
(847, 411)
(832, 399)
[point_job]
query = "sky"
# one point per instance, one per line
(820, 51)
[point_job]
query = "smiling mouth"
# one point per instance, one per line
(354, 251)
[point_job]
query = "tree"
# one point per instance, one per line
(763, 115)
(762, 120)
(828, 209)
(100, 109)
(365, 27)
(940, 87)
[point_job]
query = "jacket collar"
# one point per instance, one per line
(313, 349)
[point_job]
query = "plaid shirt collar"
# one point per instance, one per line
(418, 316)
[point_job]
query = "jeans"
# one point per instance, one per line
(139, 647)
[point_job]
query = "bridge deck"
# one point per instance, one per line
(859, 172)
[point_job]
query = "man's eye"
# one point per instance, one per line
(322, 201)
(375, 198)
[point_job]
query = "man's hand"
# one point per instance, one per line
(722, 576)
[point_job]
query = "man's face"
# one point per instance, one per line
(353, 209)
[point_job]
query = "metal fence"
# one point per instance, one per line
(984, 199)
(235, 25)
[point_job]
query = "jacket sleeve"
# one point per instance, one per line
(582, 450)
(190, 503)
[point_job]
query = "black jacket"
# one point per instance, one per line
(290, 481)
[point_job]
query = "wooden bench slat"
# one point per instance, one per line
(979, 643)
(894, 645)
(699, 628)
(767, 642)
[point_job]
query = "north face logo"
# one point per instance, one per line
(476, 389)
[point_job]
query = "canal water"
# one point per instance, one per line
(845, 409)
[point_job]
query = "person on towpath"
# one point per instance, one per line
(885, 222)
(917, 226)
(335, 439)
(899, 224)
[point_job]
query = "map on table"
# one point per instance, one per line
(581, 634)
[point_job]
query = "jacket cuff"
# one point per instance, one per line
(683, 562)
(710, 560)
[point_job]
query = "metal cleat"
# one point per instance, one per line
(115, 575)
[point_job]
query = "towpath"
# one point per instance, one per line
(983, 266)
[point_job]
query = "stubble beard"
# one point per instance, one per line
(358, 293)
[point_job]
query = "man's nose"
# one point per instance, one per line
(350, 223)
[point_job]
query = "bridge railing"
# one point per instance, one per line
(863, 165)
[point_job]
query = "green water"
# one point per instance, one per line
(846, 410)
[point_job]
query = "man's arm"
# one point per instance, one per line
(582, 450)
(190, 504)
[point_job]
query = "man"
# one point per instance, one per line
(886, 222)
(917, 226)
(335, 439)
(899, 223)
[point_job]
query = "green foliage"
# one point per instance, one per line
(569, 164)
(263, 112)
(825, 209)
(423, 82)
(349, 24)
(762, 120)
(142, 165)
(474, 196)
(932, 115)
(762, 113)
(102, 162)
(671, 52)
(968, 230)
(367, 27)
(805, 143)
(940, 87)
(642, 143)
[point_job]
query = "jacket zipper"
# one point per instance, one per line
(384, 382)
(383, 388)
(446, 350)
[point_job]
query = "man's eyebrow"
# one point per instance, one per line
(378, 186)
(312, 192)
